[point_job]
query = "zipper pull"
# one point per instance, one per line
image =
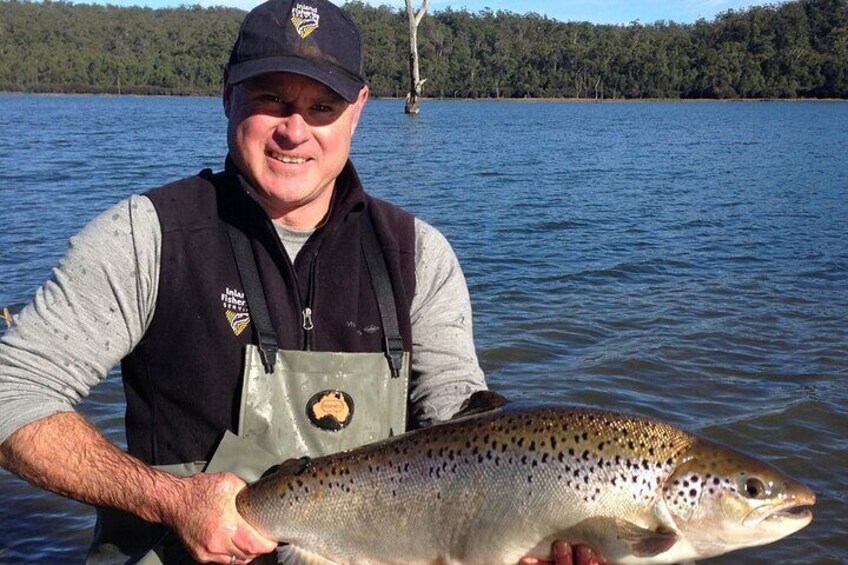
(307, 327)
(307, 319)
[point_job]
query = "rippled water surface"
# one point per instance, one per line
(684, 261)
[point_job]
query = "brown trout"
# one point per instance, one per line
(505, 484)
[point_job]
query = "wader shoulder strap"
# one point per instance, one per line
(255, 296)
(382, 286)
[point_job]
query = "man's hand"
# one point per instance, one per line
(562, 553)
(203, 515)
(65, 454)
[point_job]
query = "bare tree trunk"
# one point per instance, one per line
(415, 81)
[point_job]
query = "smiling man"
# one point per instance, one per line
(267, 311)
(290, 136)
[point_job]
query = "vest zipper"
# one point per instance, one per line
(295, 290)
(307, 327)
(308, 324)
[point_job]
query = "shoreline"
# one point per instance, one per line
(436, 99)
(622, 100)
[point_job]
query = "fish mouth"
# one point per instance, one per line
(798, 511)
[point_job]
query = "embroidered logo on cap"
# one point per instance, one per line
(305, 19)
(330, 410)
(235, 309)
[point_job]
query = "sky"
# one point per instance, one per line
(595, 11)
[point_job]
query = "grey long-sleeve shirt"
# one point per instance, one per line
(101, 299)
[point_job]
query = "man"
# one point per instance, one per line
(267, 311)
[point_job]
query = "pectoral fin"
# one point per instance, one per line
(615, 538)
(644, 542)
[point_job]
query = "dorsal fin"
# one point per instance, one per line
(479, 402)
(293, 467)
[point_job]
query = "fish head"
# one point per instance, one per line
(719, 500)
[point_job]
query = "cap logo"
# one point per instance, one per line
(305, 19)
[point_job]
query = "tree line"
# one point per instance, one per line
(792, 49)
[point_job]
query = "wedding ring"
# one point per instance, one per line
(232, 560)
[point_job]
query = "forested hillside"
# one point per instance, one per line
(793, 49)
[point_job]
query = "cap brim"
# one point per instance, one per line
(339, 81)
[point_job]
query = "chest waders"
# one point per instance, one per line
(293, 403)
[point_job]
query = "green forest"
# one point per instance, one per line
(796, 49)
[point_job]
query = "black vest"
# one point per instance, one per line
(183, 380)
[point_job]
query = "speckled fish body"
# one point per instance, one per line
(499, 486)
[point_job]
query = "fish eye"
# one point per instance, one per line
(754, 488)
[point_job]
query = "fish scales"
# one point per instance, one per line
(496, 487)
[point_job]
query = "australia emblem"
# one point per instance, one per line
(330, 410)
(235, 310)
(305, 19)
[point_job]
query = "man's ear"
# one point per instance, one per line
(357, 106)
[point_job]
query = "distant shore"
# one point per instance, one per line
(452, 99)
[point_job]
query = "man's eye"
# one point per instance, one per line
(323, 108)
(271, 98)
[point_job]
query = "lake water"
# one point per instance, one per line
(685, 261)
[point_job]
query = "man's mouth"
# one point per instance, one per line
(287, 159)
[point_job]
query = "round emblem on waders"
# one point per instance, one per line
(330, 410)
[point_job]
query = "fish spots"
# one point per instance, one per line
(683, 495)
(589, 457)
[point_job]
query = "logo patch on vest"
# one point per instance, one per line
(305, 19)
(235, 310)
(330, 410)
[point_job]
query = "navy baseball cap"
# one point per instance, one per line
(313, 38)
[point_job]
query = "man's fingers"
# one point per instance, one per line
(251, 543)
(249, 540)
(563, 554)
(586, 556)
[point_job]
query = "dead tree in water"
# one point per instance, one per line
(415, 81)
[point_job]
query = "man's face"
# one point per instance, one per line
(290, 136)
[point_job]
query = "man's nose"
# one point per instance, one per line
(293, 127)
